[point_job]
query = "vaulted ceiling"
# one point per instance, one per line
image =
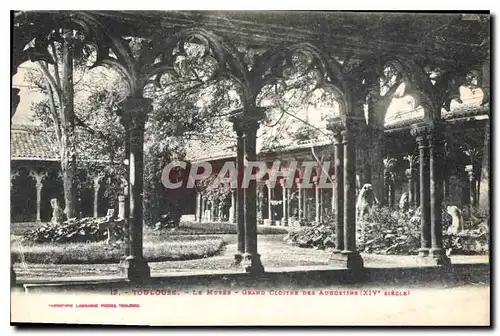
(434, 38)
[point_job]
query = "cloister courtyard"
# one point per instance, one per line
(293, 150)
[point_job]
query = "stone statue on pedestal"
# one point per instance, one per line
(58, 215)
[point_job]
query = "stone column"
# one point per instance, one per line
(260, 202)
(348, 127)
(284, 219)
(409, 177)
(269, 205)
(332, 206)
(251, 259)
(240, 200)
(353, 258)
(247, 122)
(436, 153)
(121, 206)
(134, 113)
(299, 199)
(420, 132)
(213, 212)
(339, 193)
(469, 169)
(97, 185)
(317, 200)
(289, 206)
(220, 212)
(320, 204)
(377, 164)
(203, 209)
(197, 207)
(126, 209)
(305, 204)
(233, 214)
(39, 177)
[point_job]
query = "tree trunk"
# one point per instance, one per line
(68, 149)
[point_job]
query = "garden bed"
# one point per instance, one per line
(171, 249)
(392, 231)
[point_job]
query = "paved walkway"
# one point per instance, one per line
(275, 254)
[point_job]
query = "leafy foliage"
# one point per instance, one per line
(389, 231)
(73, 231)
(171, 249)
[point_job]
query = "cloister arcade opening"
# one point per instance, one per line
(397, 125)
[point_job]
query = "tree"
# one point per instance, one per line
(97, 135)
(57, 57)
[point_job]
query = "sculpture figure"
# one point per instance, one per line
(403, 201)
(58, 215)
(457, 220)
(366, 200)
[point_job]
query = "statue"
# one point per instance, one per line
(366, 200)
(403, 202)
(457, 220)
(58, 214)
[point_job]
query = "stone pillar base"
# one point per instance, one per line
(135, 269)
(434, 260)
(284, 222)
(423, 252)
(268, 222)
(347, 259)
(238, 258)
(251, 263)
(436, 257)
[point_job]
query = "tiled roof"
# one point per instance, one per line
(460, 111)
(211, 149)
(32, 143)
(466, 110)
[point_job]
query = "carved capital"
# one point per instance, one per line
(97, 180)
(39, 177)
(134, 112)
(469, 169)
(247, 120)
(354, 124)
(420, 130)
(347, 136)
(13, 175)
(409, 173)
(337, 138)
(412, 160)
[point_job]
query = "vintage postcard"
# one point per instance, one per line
(235, 168)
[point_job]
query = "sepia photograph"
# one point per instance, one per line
(250, 168)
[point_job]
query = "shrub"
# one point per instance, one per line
(389, 231)
(392, 231)
(318, 236)
(178, 248)
(86, 229)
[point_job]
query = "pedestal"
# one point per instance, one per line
(346, 259)
(268, 222)
(434, 258)
(252, 264)
(135, 269)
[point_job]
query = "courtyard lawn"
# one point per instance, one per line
(164, 245)
(190, 241)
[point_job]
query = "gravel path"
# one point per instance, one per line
(274, 254)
